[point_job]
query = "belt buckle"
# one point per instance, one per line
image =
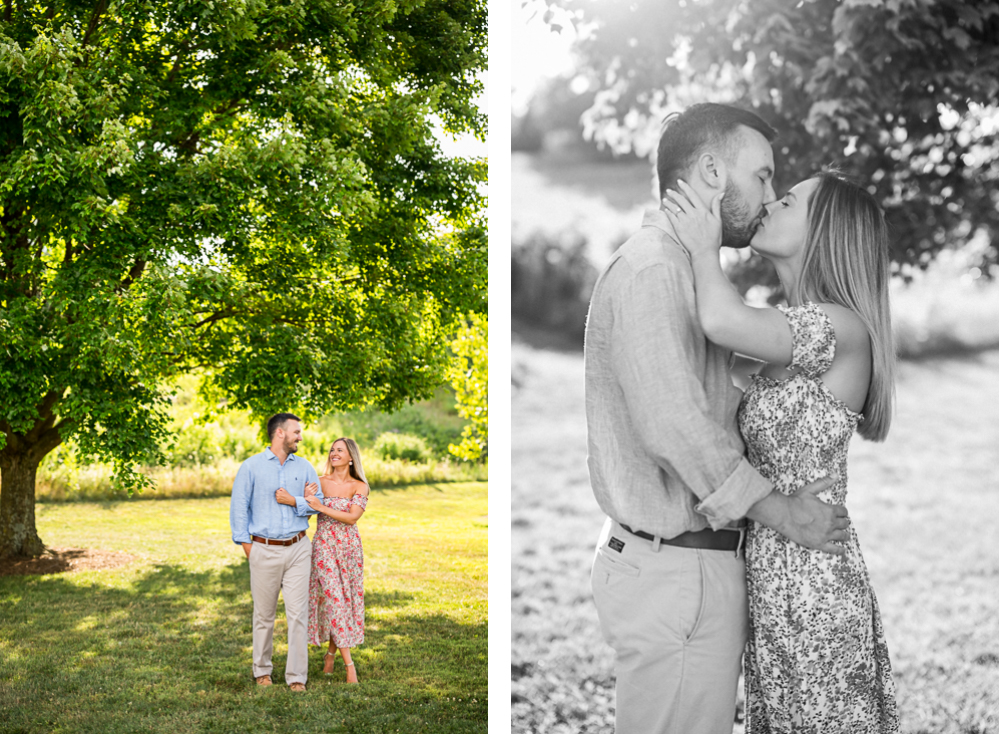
(742, 541)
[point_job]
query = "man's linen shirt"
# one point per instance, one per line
(253, 510)
(664, 451)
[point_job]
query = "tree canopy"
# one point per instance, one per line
(253, 187)
(901, 94)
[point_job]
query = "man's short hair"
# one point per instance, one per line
(688, 134)
(278, 421)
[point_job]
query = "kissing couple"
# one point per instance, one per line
(727, 539)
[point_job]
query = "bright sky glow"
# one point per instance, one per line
(467, 146)
(537, 54)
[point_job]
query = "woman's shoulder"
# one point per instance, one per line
(851, 332)
(360, 487)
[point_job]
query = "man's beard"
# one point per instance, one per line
(738, 224)
(291, 447)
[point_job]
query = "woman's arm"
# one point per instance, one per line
(349, 518)
(725, 319)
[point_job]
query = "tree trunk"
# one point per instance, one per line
(18, 536)
(19, 460)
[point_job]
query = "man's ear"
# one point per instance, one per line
(711, 171)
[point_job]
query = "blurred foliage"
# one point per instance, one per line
(941, 310)
(901, 95)
(436, 421)
(554, 120)
(203, 449)
(550, 282)
(469, 376)
(401, 446)
(255, 187)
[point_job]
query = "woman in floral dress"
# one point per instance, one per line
(336, 582)
(816, 660)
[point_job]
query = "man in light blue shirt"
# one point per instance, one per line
(273, 536)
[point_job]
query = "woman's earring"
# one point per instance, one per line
(351, 463)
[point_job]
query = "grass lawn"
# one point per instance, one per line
(164, 643)
(924, 503)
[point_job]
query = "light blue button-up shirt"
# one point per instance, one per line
(253, 510)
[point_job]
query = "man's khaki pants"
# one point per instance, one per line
(284, 568)
(677, 620)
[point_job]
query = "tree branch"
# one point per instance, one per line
(133, 275)
(225, 314)
(94, 21)
(46, 418)
(6, 224)
(190, 144)
(177, 62)
(49, 440)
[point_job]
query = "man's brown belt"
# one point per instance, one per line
(725, 540)
(268, 541)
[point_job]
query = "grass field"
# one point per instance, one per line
(925, 505)
(164, 643)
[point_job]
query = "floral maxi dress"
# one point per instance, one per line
(816, 659)
(336, 581)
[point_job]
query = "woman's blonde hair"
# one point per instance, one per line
(847, 263)
(355, 468)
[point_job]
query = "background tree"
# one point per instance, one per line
(469, 375)
(900, 94)
(249, 186)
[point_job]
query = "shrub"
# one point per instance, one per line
(551, 282)
(390, 446)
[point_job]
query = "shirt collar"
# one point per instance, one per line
(657, 218)
(268, 454)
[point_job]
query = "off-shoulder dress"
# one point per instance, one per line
(816, 660)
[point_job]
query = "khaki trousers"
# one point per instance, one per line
(283, 568)
(677, 620)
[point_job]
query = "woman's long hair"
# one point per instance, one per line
(847, 263)
(355, 468)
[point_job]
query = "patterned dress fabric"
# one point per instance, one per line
(336, 583)
(816, 660)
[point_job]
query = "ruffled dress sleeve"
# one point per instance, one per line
(813, 340)
(360, 500)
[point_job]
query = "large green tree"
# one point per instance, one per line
(253, 187)
(900, 93)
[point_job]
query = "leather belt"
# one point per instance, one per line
(268, 541)
(726, 539)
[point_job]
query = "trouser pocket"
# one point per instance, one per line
(607, 567)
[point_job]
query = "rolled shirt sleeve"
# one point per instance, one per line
(658, 366)
(302, 508)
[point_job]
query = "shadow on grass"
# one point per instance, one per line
(387, 599)
(175, 645)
